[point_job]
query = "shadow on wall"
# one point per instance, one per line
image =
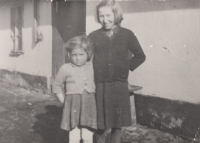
(175, 117)
(131, 6)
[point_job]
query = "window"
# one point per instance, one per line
(37, 36)
(16, 24)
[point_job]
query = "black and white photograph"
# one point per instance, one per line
(99, 71)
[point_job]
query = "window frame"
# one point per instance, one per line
(16, 27)
(36, 34)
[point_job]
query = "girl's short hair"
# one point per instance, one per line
(82, 42)
(115, 8)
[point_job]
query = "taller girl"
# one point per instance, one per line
(112, 44)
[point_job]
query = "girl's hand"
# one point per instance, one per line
(60, 97)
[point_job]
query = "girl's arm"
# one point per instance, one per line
(139, 56)
(58, 84)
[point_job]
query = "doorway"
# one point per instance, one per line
(68, 20)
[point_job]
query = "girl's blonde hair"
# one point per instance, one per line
(115, 8)
(80, 42)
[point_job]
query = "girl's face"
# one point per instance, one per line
(78, 56)
(106, 17)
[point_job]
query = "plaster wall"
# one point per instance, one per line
(37, 58)
(169, 32)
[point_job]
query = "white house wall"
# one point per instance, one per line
(36, 60)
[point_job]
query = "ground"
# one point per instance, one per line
(31, 117)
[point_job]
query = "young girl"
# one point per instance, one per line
(112, 44)
(79, 111)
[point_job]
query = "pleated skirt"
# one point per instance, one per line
(79, 110)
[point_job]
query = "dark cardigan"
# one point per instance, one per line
(111, 60)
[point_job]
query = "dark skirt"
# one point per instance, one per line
(79, 110)
(113, 105)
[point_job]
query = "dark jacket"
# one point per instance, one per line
(111, 60)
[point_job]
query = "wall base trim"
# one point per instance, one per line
(27, 81)
(175, 117)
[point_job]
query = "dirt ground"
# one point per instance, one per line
(30, 117)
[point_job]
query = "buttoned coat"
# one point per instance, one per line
(111, 68)
(111, 54)
(80, 104)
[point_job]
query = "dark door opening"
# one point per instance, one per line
(68, 20)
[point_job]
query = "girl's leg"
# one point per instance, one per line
(102, 136)
(116, 135)
(74, 135)
(87, 135)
